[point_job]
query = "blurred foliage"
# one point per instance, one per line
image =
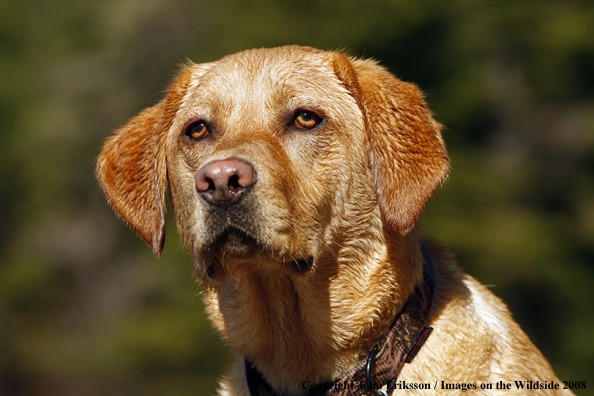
(84, 306)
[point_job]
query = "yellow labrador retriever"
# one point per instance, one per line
(297, 177)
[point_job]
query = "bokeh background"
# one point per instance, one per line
(86, 309)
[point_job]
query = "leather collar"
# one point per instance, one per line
(385, 361)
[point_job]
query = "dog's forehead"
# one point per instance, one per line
(270, 66)
(260, 75)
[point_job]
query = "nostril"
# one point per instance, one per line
(211, 184)
(234, 182)
(203, 181)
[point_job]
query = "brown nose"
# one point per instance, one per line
(224, 182)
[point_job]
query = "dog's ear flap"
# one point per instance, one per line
(406, 150)
(132, 170)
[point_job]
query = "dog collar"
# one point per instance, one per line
(385, 361)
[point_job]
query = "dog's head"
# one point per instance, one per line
(271, 154)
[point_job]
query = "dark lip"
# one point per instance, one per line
(235, 243)
(232, 241)
(240, 235)
(303, 265)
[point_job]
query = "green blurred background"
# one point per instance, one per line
(85, 308)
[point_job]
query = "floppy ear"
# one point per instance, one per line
(407, 154)
(131, 167)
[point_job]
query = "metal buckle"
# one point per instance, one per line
(370, 359)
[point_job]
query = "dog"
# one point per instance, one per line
(297, 177)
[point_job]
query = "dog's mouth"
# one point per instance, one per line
(237, 245)
(234, 243)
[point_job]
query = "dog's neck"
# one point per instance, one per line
(316, 326)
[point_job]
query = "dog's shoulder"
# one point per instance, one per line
(474, 336)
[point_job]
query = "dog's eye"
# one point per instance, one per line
(197, 130)
(307, 119)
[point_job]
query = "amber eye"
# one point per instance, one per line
(197, 130)
(307, 119)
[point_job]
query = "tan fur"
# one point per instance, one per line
(347, 194)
